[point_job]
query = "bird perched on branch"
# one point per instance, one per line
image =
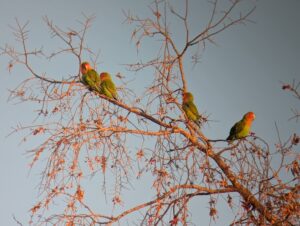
(190, 108)
(242, 128)
(108, 87)
(90, 77)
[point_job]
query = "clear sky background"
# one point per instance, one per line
(241, 73)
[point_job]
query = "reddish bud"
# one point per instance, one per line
(286, 86)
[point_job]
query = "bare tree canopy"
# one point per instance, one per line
(87, 136)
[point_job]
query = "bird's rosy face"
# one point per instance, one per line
(84, 67)
(104, 75)
(187, 97)
(250, 116)
(184, 97)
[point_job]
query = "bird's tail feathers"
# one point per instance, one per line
(198, 123)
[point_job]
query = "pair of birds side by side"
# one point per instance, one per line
(241, 129)
(102, 84)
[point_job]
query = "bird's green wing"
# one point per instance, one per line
(105, 90)
(186, 109)
(109, 89)
(92, 80)
(236, 130)
(189, 110)
(93, 75)
(84, 79)
(194, 110)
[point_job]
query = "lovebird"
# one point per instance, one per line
(108, 87)
(190, 108)
(90, 77)
(242, 128)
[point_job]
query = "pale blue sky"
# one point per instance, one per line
(242, 73)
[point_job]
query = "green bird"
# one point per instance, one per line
(108, 87)
(242, 128)
(190, 108)
(90, 77)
